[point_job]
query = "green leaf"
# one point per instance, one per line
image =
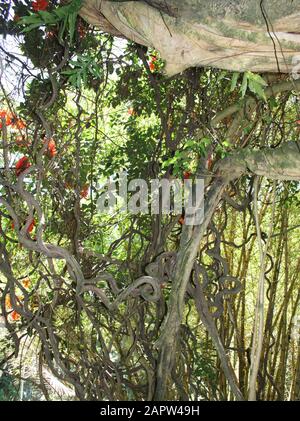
(244, 85)
(30, 27)
(32, 18)
(226, 144)
(47, 17)
(65, 16)
(72, 23)
(234, 80)
(257, 89)
(256, 78)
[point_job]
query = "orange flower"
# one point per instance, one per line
(31, 226)
(186, 175)
(29, 229)
(152, 66)
(181, 220)
(85, 191)
(26, 283)
(151, 63)
(22, 165)
(4, 115)
(51, 148)
(39, 5)
(15, 316)
(17, 123)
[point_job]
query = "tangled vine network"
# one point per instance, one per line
(98, 302)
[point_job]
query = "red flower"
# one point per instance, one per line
(151, 63)
(85, 191)
(186, 175)
(15, 316)
(29, 229)
(52, 148)
(152, 66)
(181, 220)
(4, 115)
(31, 226)
(11, 120)
(22, 165)
(17, 123)
(39, 5)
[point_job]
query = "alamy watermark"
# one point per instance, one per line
(165, 196)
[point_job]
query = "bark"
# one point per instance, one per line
(228, 34)
(189, 244)
(282, 163)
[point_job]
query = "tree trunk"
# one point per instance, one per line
(260, 36)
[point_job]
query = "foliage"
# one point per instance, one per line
(253, 82)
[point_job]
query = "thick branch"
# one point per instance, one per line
(219, 33)
(282, 163)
